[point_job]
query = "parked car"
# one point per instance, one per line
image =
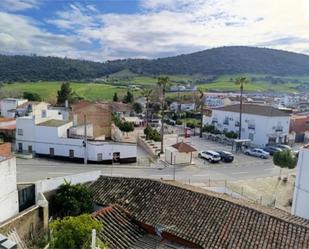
(227, 157)
(210, 156)
(271, 149)
(257, 153)
(280, 146)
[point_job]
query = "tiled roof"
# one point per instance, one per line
(53, 123)
(262, 110)
(184, 147)
(206, 219)
(121, 231)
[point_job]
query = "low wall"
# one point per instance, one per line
(143, 143)
(48, 185)
(28, 223)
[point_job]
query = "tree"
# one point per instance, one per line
(147, 93)
(32, 96)
(126, 126)
(201, 104)
(72, 200)
(115, 97)
(137, 107)
(65, 93)
(240, 81)
(129, 98)
(162, 84)
(285, 159)
(73, 232)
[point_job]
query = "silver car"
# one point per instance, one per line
(257, 153)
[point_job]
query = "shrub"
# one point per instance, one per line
(285, 159)
(152, 134)
(178, 122)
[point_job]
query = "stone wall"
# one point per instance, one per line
(28, 223)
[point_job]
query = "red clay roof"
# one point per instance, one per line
(184, 147)
(206, 219)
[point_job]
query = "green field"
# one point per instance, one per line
(48, 90)
(121, 82)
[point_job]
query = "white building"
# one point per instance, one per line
(182, 106)
(8, 188)
(61, 139)
(9, 105)
(300, 205)
(261, 124)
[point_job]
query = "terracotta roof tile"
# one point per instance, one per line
(183, 147)
(206, 219)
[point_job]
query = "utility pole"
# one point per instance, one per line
(85, 140)
(240, 110)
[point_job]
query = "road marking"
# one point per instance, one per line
(239, 173)
(267, 169)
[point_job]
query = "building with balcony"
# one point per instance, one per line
(260, 123)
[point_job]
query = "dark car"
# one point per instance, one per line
(227, 157)
(272, 149)
(280, 146)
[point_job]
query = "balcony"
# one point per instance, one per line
(214, 121)
(251, 127)
(278, 129)
(226, 122)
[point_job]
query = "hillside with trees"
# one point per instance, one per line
(217, 61)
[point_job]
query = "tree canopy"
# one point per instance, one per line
(65, 93)
(137, 107)
(72, 200)
(285, 159)
(73, 232)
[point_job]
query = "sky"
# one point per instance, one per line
(103, 30)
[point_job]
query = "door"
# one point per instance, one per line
(116, 157)
(20, 147)
(30, 149)
(51, 151)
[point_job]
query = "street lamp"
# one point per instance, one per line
(240, 81)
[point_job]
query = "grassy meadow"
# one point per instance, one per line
(121, 82)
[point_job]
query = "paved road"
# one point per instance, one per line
(243, 167)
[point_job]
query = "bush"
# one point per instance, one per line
(152, 134)
(72, 200)
(73, 232)
(285, 159)
(231, 134)
(178, 122)
(32, 96)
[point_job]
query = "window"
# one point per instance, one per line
(44, 114)
(51, 151)
(251, 136)
(99, 157)
(20, 132)
(71, 153)
(30, 148)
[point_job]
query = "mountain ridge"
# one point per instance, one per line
(215, 61)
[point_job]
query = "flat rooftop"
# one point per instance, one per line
(53, 123)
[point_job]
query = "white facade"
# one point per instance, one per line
(175, 106)
(53, 140)
(260, 129)
(300, 205)
(9, 104)
(8, 189)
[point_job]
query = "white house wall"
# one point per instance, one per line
(300, 205)
(8, 189)
(263, 125)
(42, 138)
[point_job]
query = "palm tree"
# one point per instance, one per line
(201, 104)
(162, 84)
(147, 93)
(241, 81)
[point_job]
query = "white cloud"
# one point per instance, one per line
(162, 28)
(18, 5)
